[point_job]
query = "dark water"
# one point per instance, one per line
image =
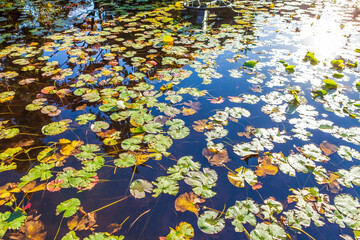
(267, 32)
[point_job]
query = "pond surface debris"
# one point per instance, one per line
(135, 120)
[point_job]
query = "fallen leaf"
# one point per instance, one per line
(82, 107)
(188, 111)
(32, 187)
(113, 228)
(193, 105)
(82, 221)
(248, 132)
(106, 133)
(265, 167)
(32, 229)
(188, 202)
(328, 148)
(201, 125)
(217, 158)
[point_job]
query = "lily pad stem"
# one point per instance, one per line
(246, 233)
(300, 230)
(109, 204)
(58, 230)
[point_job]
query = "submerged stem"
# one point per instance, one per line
(108, 205)
(300, 230)
(58, 230)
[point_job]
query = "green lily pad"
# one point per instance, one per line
(250, 63)
(330, 83)
(125, 160)
(209, 223)
(268, 232)
(9, 133)
(139, 187)
(55, 128)
(179, 133)
(338, 75)
(85, 118)
(131, 144)
(290, 68)
(242, 212)
(69, 207)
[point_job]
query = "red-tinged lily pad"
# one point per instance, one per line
(48, 90)
(91, 185)
(54, 185)
(26, 81)
(217, 100)
(236, 99)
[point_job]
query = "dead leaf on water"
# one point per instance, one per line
(265, 167)
(188, 202)
(328, 148)
(217, 158)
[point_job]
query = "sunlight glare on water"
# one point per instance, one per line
(326, 37)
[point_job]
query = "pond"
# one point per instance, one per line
(141, 120)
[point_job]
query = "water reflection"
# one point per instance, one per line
(132, 49)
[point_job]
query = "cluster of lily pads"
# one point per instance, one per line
(129, 80)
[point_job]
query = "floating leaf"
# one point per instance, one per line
(69, 207)
(242, 212)
(330, 83)
(55, 128)
(103, 236)
(54, 185)
(178, 133)
(265, 167)
(188, 111)
(301, 163)
(168, 40)
(271, 231)
(250, 63)
(125, 160)
(202, 125)
(188, 202)
(290, 68)
(8, 133)
(348, 153)
(241, 176)
(85, 118)
(184, 231)
(139, 187)
(217, 158)
(131, 144)
(6, 96)
(328, 148)
(202, 182)
(209, 222)
(81, 222)
(98, 126)
(165, 184)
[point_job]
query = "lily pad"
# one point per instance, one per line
(139, 187)
(69, 207)
(55, 128)
(209, 222)
(125, 160)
